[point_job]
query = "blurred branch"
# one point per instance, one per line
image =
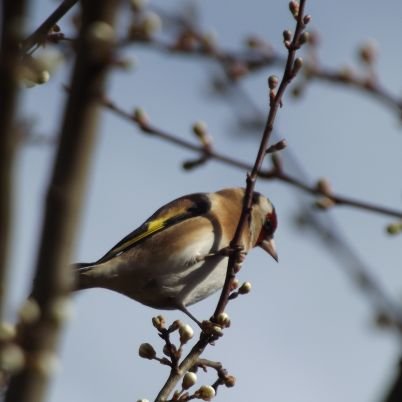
(144, 124)
(353, 266)
(12, 14)
(239, 64)
(39, 35)
(363, 79)
(334, 198)
(395, 393)
(192, 43)
(39, 333)
(362, 83)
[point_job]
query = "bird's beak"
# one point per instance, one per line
(269, 247)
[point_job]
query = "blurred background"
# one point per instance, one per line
(307, 332)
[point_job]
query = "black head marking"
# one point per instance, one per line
(256, 198)
(201, 204)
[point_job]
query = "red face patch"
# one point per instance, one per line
(271, 223)
(269, 227)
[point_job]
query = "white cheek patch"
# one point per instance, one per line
(197, 251)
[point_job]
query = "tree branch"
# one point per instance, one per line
(12, 13)
(39, 35)
(53, 278)
(273, 174)
(395, 393)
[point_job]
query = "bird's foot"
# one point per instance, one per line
(223, 252)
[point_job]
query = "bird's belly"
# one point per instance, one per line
(179, 280)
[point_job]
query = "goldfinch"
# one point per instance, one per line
(175, 259)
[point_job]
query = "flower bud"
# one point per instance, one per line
(287, 36)
(61, 309)
(46, 363)
(200, 128)
(230, 381)
(43, 77)
(146, 351)
(12, 358)
(394, 228)
(140, 117)
(294, 8)
(189, 380)
(101, 33)
(368, 53)
(245, 288)
(304, 37)
(216, 330)
(186, 333)
(273, 81)
(324, 203)
(206, 393)
(176, 324)
(223, 320)
(324, 186)
(297, 65)
(152, 23)
(29, 312)
(7, 332)
(235, 284)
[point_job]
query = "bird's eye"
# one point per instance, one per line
(270, 223)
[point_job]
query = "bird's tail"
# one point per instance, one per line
(83, 281)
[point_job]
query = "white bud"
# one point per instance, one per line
(245, 288)
(146, 351)
(200, 128)
(43, 77)
(61, 309)
(189, 380)
(29, 312)
(7, 332)
(223, 319)
(206, 392)
(186, 333)
(46, 363)
(100, 33)
(12, 358)
(152, 23)
(142, 118)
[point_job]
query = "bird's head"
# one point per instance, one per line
(266, 211)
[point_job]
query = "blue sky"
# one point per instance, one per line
(305, 333)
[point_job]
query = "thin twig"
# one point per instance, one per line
(40, 34)
(335, 198)
(272, 174)
(53, 277)
(276, 102)
(362, 84)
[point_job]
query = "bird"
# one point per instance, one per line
(177, 256)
